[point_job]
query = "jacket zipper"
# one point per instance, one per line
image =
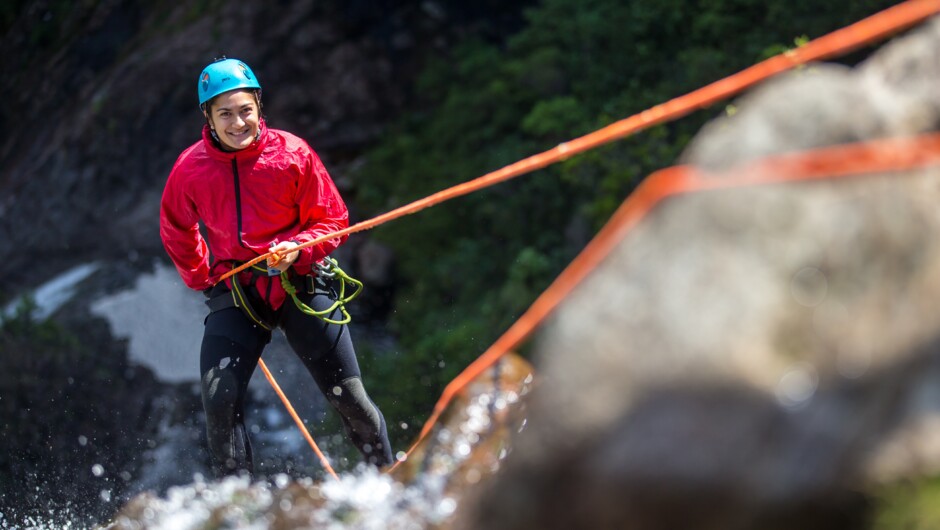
(238, 202)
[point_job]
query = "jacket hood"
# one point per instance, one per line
(213, 149)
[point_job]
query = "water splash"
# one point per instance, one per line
(423, 492)
(56, 520)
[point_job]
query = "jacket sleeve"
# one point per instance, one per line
(179, 230)
(322, 210)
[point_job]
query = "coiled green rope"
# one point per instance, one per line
(330, 270)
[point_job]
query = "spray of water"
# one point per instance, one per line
(423, 492)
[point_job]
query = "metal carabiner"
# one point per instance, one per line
(326, 271)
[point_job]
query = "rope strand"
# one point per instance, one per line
(300, 424)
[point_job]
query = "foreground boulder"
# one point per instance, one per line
(753, 358)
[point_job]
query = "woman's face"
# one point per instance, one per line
(234, 117)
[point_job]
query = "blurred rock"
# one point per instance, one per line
(757, 357)
(471, 438)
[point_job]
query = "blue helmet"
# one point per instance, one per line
(224, 75)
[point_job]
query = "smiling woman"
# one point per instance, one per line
(256, 190)
(230, 99)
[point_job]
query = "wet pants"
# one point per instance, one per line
(231, 347)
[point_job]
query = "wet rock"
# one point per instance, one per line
(472, 437)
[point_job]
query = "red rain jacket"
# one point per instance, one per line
(274, 190)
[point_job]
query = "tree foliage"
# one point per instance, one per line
(470, 268)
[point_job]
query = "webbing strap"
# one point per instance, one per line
(241, 301)
(219, 303)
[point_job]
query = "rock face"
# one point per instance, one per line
(752, 358)
(99, 99)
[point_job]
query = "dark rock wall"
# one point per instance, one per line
(99, 99)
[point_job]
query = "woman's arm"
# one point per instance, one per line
(322, 211)
(179, 230)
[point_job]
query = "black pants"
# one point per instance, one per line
(231, 347)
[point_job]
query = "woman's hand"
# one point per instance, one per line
(283, 262)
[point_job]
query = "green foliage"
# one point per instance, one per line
(21, 324)
(555, 117)
(912, 506)
(470, 267)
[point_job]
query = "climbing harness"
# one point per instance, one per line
(316, 283)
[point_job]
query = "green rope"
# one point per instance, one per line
(331, 270)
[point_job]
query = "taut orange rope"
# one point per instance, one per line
(297, 420)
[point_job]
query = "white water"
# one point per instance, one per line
(53, 294)
(364, 500)
(162, 320)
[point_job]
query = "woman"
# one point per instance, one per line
(256, 190)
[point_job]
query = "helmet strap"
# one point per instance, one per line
(212, 132)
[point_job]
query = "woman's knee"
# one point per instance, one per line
(226, 368)
(220, 391)
(349, 397)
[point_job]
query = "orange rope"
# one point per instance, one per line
(297, 420)
(879, 25)
(879, 156)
